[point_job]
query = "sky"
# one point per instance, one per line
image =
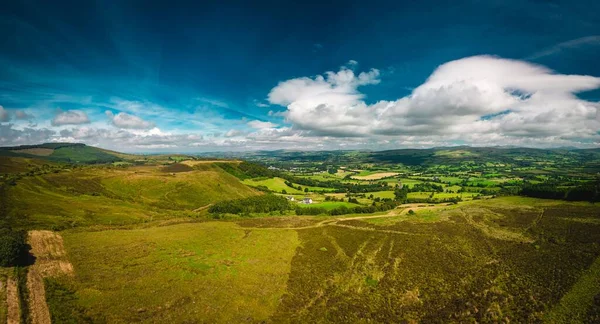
(170, 76)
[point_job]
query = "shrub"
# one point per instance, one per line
(13, 247)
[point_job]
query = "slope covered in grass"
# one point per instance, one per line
(115, 196)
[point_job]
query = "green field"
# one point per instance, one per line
(218, 272)
(274, 184)
(278, 185)
(329, 204)
(384, 194)
(409, 182)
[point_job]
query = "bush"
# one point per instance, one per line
(13, 247)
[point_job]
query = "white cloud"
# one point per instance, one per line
(4, 116)
(70, 117)
(527, 100)
(257, 124)
(234, 133)
(20, 114)
(125, 120)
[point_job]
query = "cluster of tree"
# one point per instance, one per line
(426, 187)
(586, 192)
(247, 170)
(343, 210)
(338, 186)
(258, 204)
(332, 198)
(13, 247)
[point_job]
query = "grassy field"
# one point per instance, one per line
(145, 249)
(500, 260)
(409, 182)
(274, 184)
(365, 176)
(329, 204)
(383, 194)
(218, 272)
(91, 196)
(278, 184)
(506, 259)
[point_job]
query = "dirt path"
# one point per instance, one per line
(201, 208)
(398, 211)
(50, 260)
(12, 301)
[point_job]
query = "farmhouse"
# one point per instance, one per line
(307, 201)
(290, 198)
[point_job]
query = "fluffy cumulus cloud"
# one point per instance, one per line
(125, 120)
(257, 124)
(478, 100)
(70, 117)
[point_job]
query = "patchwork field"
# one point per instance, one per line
(176, 239)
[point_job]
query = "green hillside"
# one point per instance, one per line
(114, 196)
(63, 152)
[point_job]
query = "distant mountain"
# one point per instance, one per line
(63, 152)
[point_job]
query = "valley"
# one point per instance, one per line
(455, 235)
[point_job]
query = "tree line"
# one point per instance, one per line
(586, 192)
(257, 204)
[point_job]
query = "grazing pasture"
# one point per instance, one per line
(374, 176)
(216, 271)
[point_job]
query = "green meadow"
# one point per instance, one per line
(216, 271)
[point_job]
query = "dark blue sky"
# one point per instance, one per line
(216, 62)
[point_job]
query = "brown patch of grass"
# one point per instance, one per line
(38, 309)
(36, 151)
(12, 300)
(50, 255)
(177, 167)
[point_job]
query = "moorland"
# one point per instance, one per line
(440, 235)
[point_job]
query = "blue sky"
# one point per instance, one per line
(171, 76)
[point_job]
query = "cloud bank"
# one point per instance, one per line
(481, 99)
(70, 117)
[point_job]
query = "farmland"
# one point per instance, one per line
(184, 239)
